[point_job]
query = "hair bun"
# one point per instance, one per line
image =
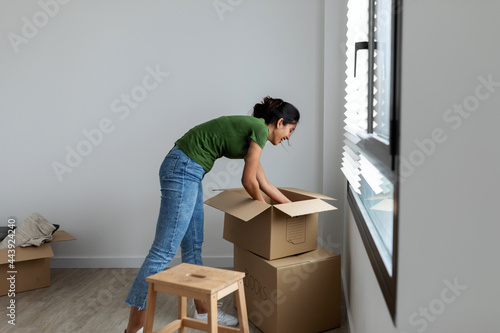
(259, 111)
(272, 109)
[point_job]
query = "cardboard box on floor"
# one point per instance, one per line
(268, 229)
(32, 265)
(297, 294)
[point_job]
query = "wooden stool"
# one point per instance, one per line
(197, 282)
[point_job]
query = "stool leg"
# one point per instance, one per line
(212, 314)
(182, 311)
(150, 309)
(242, 308)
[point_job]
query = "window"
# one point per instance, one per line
(371, 132)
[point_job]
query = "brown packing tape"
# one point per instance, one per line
(317, 255)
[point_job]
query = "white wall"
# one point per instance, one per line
(448, 201)
(67, 72)
(334, 183)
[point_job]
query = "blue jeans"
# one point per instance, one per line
(180, 221)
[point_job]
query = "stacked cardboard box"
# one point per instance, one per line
(31, 266)
(291, 284)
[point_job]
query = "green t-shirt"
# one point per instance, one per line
(227, 136)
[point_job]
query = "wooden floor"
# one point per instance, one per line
(92, 300)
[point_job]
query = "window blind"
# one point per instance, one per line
(356, 106)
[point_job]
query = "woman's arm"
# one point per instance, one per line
(254, 178)
(249, 177)
(268, 188)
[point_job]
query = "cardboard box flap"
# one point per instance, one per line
(237, 205)
(27, 253)
(61, 235)
(304, 207)
(313, 256)
(308, 193)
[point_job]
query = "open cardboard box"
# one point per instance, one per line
(268, 229)
(297, 294)
(32, 265)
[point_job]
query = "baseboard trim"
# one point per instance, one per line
(347, 304)
(130, 262)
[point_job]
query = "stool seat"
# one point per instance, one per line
(197, 282)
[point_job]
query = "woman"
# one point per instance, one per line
(180, 221)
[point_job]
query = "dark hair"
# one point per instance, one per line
(273, 109)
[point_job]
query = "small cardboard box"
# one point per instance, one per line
(268, 229)
(297, 294)
(32, 265)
